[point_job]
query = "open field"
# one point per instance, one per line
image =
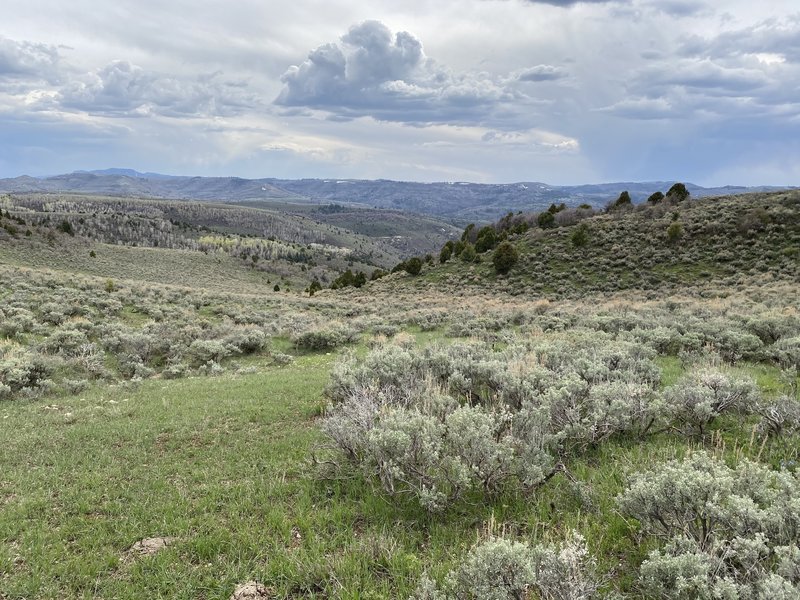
(305, 442)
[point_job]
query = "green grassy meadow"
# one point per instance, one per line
(184, 402)
(224, 466)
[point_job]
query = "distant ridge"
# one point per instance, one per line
(458, 201)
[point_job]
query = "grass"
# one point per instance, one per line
(222, 465)
(213, 462)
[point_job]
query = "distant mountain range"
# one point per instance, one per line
(455, 201)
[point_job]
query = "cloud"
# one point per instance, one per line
(644, 109)
(373, 72)
(568, 3)
(22, 60)
(123, 89)
(542, 73)
(705, 75)
(771, 36)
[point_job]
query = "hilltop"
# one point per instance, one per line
(667, 247)
(458, 201)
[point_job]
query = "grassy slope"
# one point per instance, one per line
(631, 251)
(222, 465)
(148, 265)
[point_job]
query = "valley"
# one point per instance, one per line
(156, 386)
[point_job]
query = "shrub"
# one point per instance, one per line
(621, 203)
(505, 257)
(703, 395)
(347, 279)
(677, 193)
(436, 423)
(327, 338)
(674, 231)
(546, 220)
(729, 532)
(469, 235)
(655, 198)
(446, 252)
(786, 352)
(23, 371)
(468, 254)
(580, 235)
(378, 274)
(487, 239)
(503, 569)
(496, 569)
(66, 227)
(202, 352)
(246, 339)
(314, 287)
(413, 266)
(779, 416)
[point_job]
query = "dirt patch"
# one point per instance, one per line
(251, 590)
(297, 538)
(150, 546)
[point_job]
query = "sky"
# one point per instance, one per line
(558, 91)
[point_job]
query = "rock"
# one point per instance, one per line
(252, 590)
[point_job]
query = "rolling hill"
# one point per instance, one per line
(459, 202)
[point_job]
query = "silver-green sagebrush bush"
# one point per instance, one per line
(779, 416)
(706, 393)
(444, 421)
(728, 532)
(503, 569)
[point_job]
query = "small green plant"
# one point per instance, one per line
(580, 235)
(674, 231)
(110, 286)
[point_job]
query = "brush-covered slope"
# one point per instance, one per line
(723, 240)
(207, 245)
